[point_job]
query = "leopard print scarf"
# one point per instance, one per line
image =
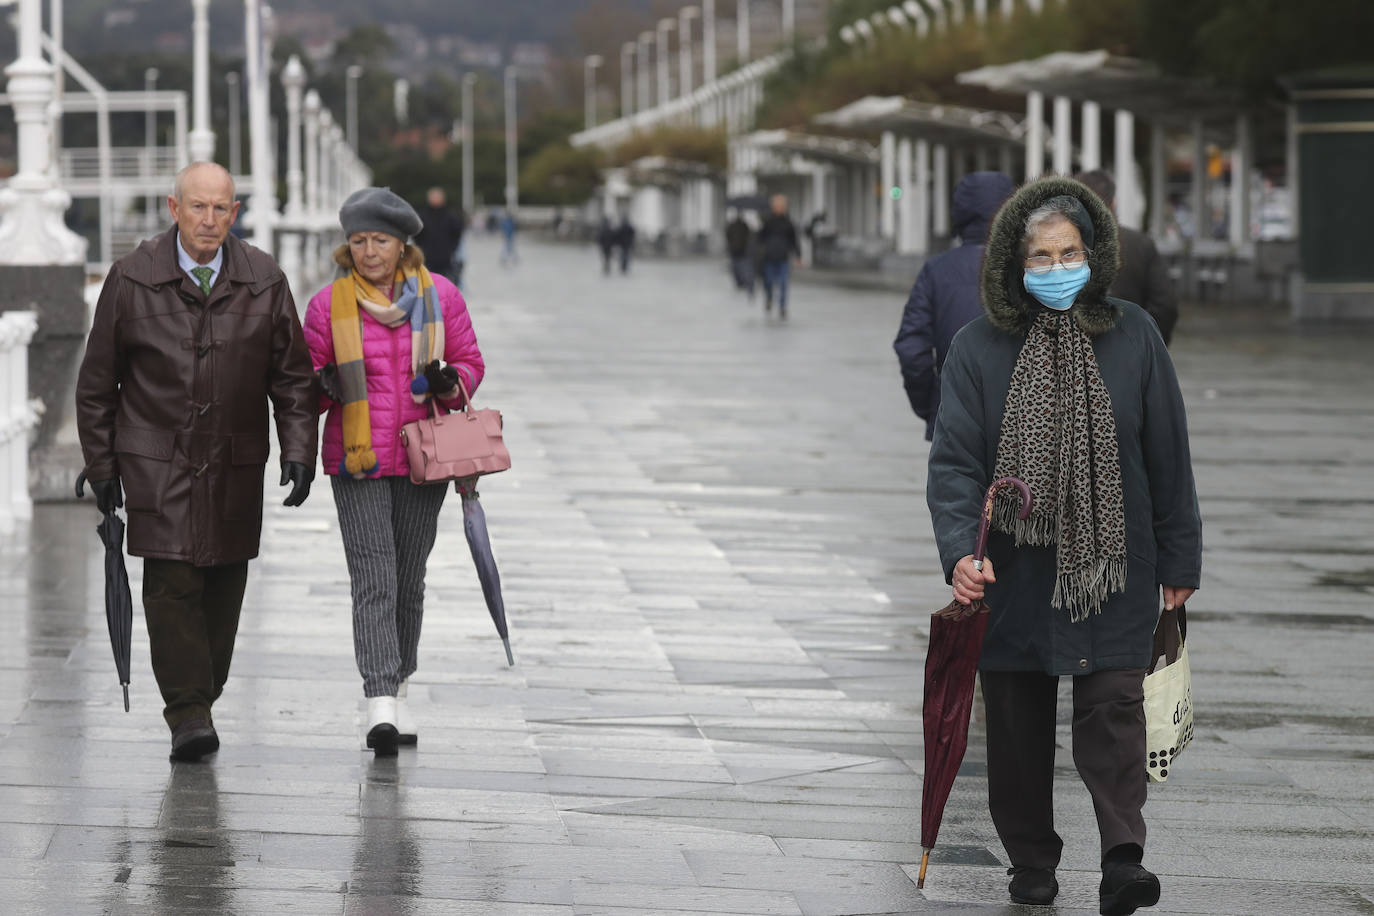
(1059, 436)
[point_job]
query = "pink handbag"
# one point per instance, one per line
(465, 443)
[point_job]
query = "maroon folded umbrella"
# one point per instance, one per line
(956, 641)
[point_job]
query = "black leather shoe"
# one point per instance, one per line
(1035, 886)
(1126, 886)
(192, 740)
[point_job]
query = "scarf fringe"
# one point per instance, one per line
(1082, 592)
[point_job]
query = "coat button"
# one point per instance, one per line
(1082, 663)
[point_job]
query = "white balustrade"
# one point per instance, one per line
(18, 416)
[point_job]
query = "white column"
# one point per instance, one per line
(202, 138)
(905, 212)
(1291, 163)
(17, 416)
(665, 85)
(313, 263)
(32, 230)
(742, 30)
(590, 64)
(646, 41)
(684, 49)
(708, 41)
(152, 205)
(1063, 136)
(1240, 183)
(887, 162)
(512, 165)
(351, 76)
(1008, 7)
(940, 193)
(235, 143)
(627, 79)
(920, 239)
(1158, 177)
(980, 11)
(469, 79)
(1092, 136)
(1127, 186)
(789, 20)
(293, 82)
(262, 203)
(1035, 135)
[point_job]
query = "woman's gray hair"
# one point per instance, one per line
(1061, 206)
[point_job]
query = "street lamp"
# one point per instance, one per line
(589, 87)
(646, 41)
(512, 178)
(150, 143)
(684, 48)
(351, 105)
(235, 155)
(202, 139)
(469, 80)
(627, 79)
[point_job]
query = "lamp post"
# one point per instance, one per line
(263, 202)
(400, 101)
(293, 82)
(201, 140)
(665, 87)
(708, 41)
(512, 178)
(150, 207)
(312, 178)
(684, 48)
(235, 154)
(589, 88)
(469, 79)
(646, 41)
(351, 104)
(627, 79)
(742, 30)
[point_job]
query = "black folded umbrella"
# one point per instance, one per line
(119, 603)
(475, 527)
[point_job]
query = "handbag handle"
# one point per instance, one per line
(438, 418)
(1170, 635)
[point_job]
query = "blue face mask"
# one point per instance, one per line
(1058, 287)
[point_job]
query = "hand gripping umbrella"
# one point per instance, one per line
(475, 527)
(956, 641)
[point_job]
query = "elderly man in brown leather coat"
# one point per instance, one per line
(195, 333)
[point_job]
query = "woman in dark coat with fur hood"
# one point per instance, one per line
(1073, 392)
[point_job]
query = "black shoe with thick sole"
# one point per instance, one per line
(192, 740)
(1035, 886)
(383, 739)
(1126, 886)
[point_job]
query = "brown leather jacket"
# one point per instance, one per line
(173, 393)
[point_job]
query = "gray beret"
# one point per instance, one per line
(379, 210)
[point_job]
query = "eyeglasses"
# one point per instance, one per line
(1044, 263)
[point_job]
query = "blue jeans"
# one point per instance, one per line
(775, 274)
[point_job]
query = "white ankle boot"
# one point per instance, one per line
(381, 725)
(405, 725)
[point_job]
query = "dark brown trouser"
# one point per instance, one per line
(193, 617)
(1108, 749)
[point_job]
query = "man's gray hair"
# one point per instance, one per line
(1059, 207)
(179, 185)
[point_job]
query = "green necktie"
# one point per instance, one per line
(202, 275)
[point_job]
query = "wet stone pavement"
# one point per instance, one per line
(718, 566)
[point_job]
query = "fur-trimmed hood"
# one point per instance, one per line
(1009, 307)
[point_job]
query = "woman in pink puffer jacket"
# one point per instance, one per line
(362, 331)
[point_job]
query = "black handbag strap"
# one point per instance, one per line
(1171, 634)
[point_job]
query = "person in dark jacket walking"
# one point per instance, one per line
(739, 243)
(625, 241)
(945, 296)
(605, 240)
(1143, 277)
(1073, 392)
(195, 335)
(442, 234)
(778, 249)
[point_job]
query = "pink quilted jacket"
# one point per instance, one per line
(386, 357)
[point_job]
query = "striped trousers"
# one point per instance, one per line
(389, 526)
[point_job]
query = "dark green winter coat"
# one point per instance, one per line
(1163, 528)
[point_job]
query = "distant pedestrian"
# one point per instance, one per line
(779, 250)
(625, 242)
(1144, 277)
(509, 228)
(442, 234)
(387, 338)
(1074, 393)
(739, 243)
(195, 337)
(946, 296)
(605, 240)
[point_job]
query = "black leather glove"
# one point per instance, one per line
(299, 476)
(329, 383)
(109, 495)
(442, 379)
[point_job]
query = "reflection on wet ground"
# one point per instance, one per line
(718, 566)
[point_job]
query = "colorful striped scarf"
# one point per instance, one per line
(417, 305)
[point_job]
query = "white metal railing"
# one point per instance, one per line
(159, 163)
(18, 415)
